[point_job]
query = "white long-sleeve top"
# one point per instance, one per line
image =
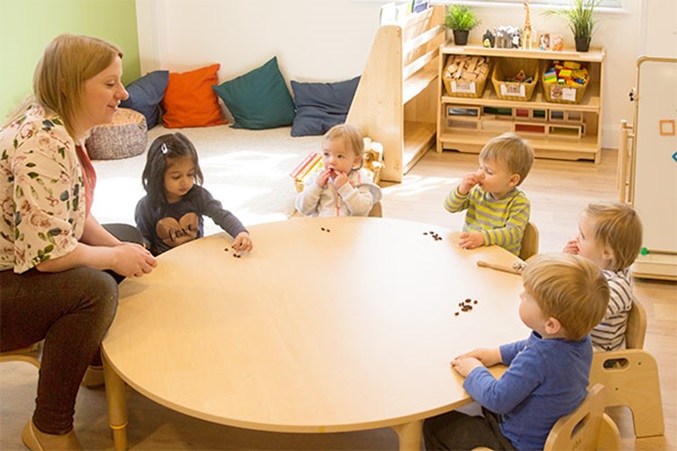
(355, 198)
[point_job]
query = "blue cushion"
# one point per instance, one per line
(258, 99)
(320, 106)
(145, 95)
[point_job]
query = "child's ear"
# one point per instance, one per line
(552, 326)
(608, 253)
(357, 162)
(608, 256)
(514, 180)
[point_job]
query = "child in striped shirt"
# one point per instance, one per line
(497, 211)
(610, 235)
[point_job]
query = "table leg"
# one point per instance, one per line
(117, 405)
(410, 435)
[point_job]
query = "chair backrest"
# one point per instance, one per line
(529, 241)
(376, 210)
(635, 331)
(580, 430)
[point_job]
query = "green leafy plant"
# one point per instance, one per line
(579, 15)
(460, 18)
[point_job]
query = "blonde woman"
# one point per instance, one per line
(57, 263)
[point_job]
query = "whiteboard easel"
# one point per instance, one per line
(654, 182)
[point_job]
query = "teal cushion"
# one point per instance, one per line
(258, 99)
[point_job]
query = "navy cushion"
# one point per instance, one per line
(320, 106)
(258, 99)
(145, 95)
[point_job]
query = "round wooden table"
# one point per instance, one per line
(329, 325)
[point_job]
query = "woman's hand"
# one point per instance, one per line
(243, 242)
(132, 260)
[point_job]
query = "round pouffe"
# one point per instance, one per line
(125, 137)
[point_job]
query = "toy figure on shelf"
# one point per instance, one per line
(557, 44)
(526, 41)
(508, 37)
(489, 39)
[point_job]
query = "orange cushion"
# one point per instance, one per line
(190, 100)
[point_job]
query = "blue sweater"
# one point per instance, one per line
(546, 380)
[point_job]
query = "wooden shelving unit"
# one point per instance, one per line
(397, 98)
(556, 130)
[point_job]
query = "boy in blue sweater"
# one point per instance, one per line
(564, 297)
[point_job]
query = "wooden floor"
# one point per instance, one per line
(558, 192)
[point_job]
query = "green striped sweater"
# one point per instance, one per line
(501, 221)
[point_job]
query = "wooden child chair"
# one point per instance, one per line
(586, 428)
(631, 376)
(30, 354)
(529, 241)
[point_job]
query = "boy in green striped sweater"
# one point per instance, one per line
(497, 211)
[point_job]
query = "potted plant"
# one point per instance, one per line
(579, 14)
(460, 19)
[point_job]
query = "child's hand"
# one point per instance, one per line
(464, 366)
(571, 247)
(243, 242)
(469, 180)
(340, 179)
(471, 240)
(488, 356)
(324, 177)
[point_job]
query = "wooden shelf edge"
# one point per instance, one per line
(479, 137)
(590, 103)
(594, 55)
(419, 137)
(418, 82)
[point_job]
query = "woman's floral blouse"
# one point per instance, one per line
(41, 190)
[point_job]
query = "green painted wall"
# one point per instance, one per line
(27, 26)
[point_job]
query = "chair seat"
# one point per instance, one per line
(29, 354)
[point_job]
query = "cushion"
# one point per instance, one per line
(320, 106)
(189, 100)
(258, 99)
(124, 137)
(145, 95)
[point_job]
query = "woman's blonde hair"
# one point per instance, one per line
(618, 227)
(67, 62)
(350, 135)
(569, 288)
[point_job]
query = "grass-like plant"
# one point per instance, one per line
(460, 18)
(579, 15)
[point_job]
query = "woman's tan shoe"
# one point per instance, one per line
(39, 441)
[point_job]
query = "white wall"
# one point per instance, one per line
(329, 40)
(314, 40)
(658, 28)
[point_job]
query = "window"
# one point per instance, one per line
(603, 4)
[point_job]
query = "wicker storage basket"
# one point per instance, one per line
(509, 67)
(465, 88)
(557, 93)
